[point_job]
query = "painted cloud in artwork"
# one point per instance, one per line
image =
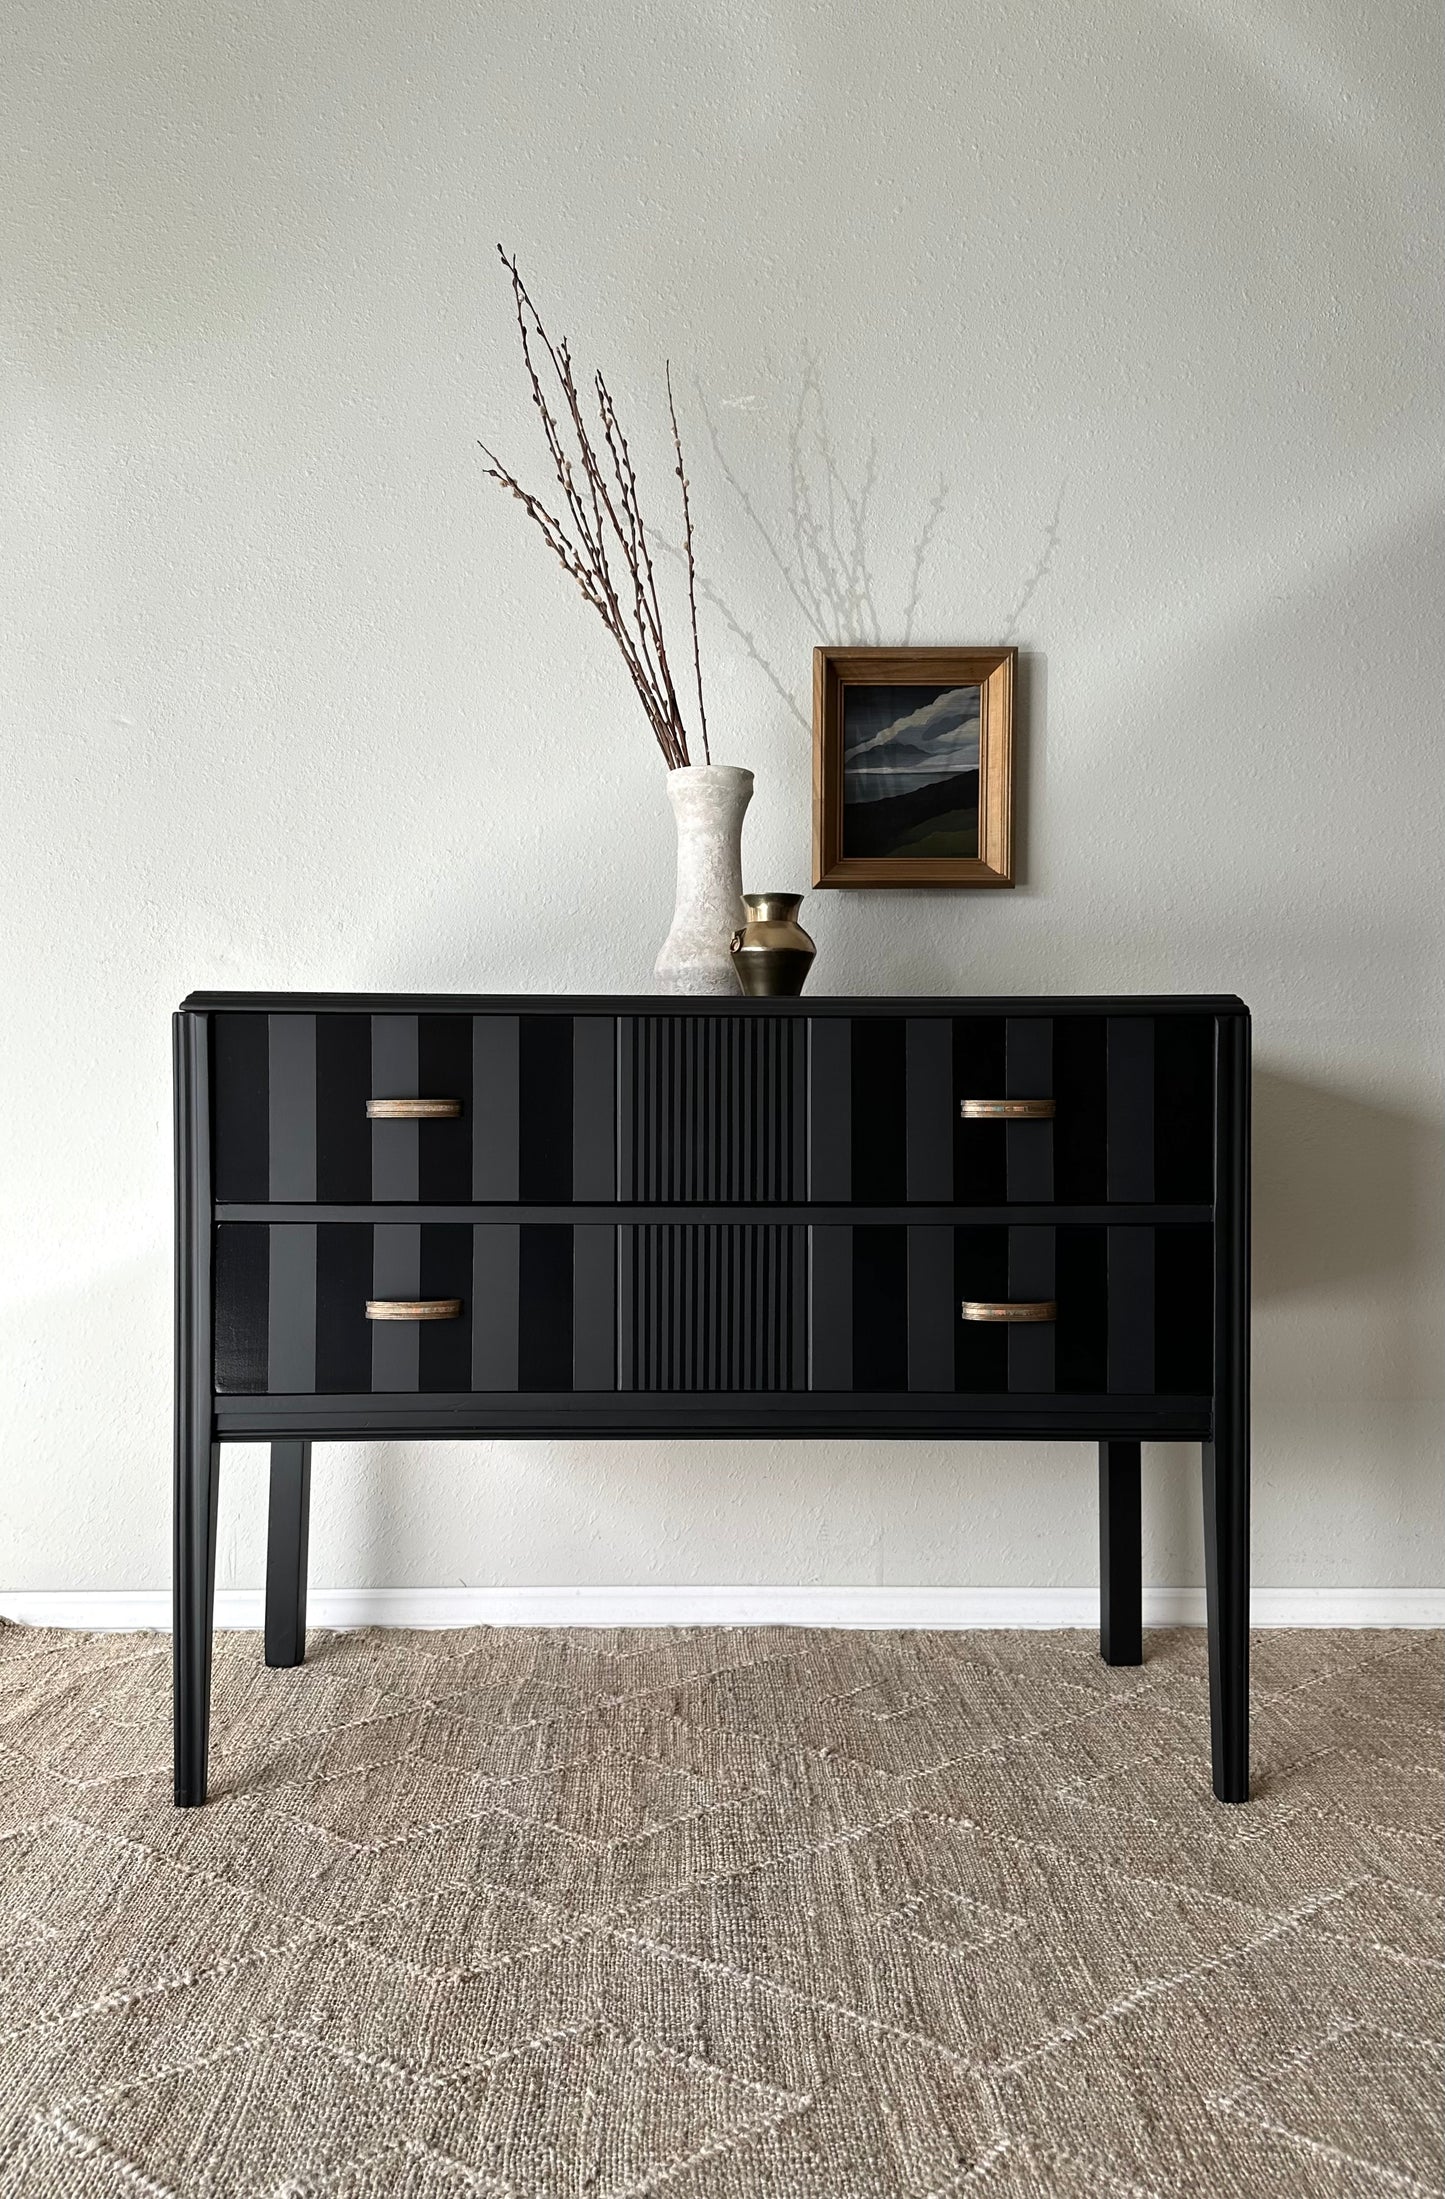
(890, 748)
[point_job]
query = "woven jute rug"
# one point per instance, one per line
(542, 1915)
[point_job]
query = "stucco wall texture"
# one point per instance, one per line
(1108, 327)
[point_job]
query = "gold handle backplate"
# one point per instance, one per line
(988, 1309)
(1019, 1110)
(413, 1309)
(412, 1110)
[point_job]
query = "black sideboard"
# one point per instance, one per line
(451, 1216)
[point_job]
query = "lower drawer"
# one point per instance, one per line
(698, 1307)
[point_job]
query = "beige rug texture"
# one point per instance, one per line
(591, 1915)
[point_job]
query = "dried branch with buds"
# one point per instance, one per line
(600, 538)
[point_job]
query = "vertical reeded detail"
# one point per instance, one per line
(714, 1109)
(713, 1306)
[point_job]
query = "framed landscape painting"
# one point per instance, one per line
(913, 767)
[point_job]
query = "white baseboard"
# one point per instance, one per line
(770, 1606)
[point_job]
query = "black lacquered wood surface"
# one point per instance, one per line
(724, 1217)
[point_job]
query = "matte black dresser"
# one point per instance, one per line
(453, 1216)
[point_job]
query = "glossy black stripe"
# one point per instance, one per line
(495, 1107)
(240, 1082)
(1081, 1344)
(830, 1108)
(545, 1122)
(880, 1306)
(291, 1315)
(241, 1284)
(1131, 1311)
(1184, 1108)
(879, 1110)
(594, 1283)
(544, 1347)
(343, 1285)
(1080, 1123)
(291, 1106)
(395, 1273)
(980, 1270)
(444, 1348)
(343, 1087)
(979, 1072)
(932, 1313)
(394, 1146)
(444, 1071)
(594, 1108)
(1183, 1311)
(1032, 1276)
(931, 1108)
(494, 1307)
(1029, 1074)
(1131, 1108)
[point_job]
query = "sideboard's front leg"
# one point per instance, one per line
(1226, 1575)
(288, 1529)
(1121, 1558)
(198, 1477)
(1226, 1459)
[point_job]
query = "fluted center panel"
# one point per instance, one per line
(713, 1306)
(713, 1108)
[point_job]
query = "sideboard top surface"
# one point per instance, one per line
(814, 1004)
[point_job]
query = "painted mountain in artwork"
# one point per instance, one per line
(910, 770)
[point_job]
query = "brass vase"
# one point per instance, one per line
(772, 954)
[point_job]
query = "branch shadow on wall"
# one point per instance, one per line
(823, 554)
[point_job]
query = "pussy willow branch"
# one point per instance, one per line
(691, 561)
(601, 516)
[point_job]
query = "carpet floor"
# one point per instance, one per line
(718, 1914)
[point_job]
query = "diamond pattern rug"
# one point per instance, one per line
(718, 1914)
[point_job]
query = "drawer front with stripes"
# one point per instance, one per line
(712, 1109)
(355, 1309)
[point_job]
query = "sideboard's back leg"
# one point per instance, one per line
(288, 1528)
(1121, 1559)
(198, 1479)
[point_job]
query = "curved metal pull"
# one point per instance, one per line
(412, 1110)
(413, 1309)
(1022, 1110)
(993, 1309)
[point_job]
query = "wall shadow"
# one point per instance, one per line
(1345, 1188)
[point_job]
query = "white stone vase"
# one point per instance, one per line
(708, 801)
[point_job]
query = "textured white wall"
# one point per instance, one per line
(1144, 293)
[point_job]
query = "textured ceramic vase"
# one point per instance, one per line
(773, 954)
(708, 801)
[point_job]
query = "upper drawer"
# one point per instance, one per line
(697, 1107)
(534, 1100)
(1127, 1109)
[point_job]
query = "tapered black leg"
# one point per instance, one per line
(1226, 1459)
(286, 1539)
(197, 1454)
(198, 1479)
(1226, 1576)
(1121, 1559)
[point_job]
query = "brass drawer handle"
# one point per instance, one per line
(413, 1309)
(990, 1309)
(1024, 1110)
(412, 1110)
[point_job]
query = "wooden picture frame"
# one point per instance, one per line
(885, 821)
